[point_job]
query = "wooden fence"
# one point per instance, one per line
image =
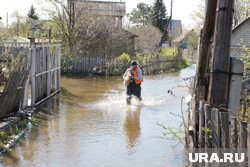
(14, 88)
(212, 128)
(85, 65)
(45, 72)
(40, 70)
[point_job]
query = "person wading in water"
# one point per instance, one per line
(133, 79)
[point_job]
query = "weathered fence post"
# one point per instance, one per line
(243, 135)
(195, 123)
(224, 129)
(59, 67)
(204, 49)
(219, 76)
(208, 126)
(216, 142)
(33, 73)
(201, 125)
(26, 88)
(248, 147)
(49, 73)
(234, 133)
(235, 84)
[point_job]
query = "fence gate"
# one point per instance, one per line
(45, 72)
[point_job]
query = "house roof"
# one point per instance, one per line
(102, 8)
(242, 23)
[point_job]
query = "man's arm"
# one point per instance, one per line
(124, 75)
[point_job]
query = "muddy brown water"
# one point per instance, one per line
(90, 125)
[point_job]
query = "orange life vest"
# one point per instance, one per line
(136, 75)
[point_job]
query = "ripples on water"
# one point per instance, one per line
(91, 125)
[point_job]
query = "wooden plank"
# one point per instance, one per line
(216, 140)
(44, 77)
(236, 70)
(49, 73)
(219, 78)
(248, 146)
(33, 79)
(243, 134)
(204, 48)
(224, 125)
(201, 125)
(208, 126)
(26, 89)
(59, 66)
(234, 133)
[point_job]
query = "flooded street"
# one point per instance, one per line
(90, 125)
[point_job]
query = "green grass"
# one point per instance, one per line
(170, 51)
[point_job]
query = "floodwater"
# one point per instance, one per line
(89, 125)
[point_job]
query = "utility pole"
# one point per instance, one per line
(205, 51)
(171, 16)
(219, 74)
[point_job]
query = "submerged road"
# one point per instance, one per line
(89, 125)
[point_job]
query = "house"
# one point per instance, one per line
(240, 36)
(181, 40)
(110, 13)
(109, 10)
(176, 28)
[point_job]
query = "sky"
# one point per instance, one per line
(182, 9)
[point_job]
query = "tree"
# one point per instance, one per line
(159, 16)
(242, 11)
(63, 15)
(141, 14)
(148, 38)
(32, 13)
(199, 14)
(19, 19)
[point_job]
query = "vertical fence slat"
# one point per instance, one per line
(208, 126)
(234, 133)
(243, 135)
(58, 65)
(33, 79)
(215, 127)
(48, 74)
(224, 125)
(248, 147)
(201, 125)
(26, 89)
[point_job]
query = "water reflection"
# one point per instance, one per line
(132, 127)
(89, 124)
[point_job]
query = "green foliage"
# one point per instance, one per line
(125, 58)
(141, 14)
(183, 64)
(208, 132)
(139, 59)
(66, 58)
(245, 57)
(192, 39)
(19, 62)
(159, 16)
(169, 51)
(32, 13)
(173, 133)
